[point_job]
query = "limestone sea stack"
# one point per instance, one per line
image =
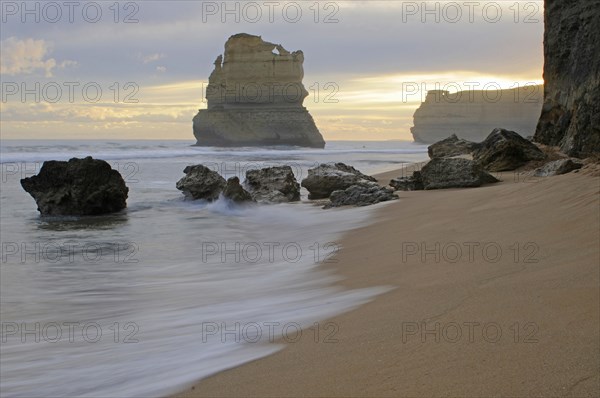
(471, 115)
(255, 97)
(571, 113)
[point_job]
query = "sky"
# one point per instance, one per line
(139, 69)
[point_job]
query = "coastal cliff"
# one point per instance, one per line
(471, 115)
(255, 96)
(571, 112)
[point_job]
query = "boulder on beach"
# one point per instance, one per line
(362, 194)
(412, 183)
(77, 187)
(443, 173)
(505, 150)
(235, 192)
(326, 178)
(558, 167)
(451, 146)
(273, 185)
(200, 182)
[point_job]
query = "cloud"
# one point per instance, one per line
(28, 56)
(146, 59)
(161, 69)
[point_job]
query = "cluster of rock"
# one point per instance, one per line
(457, 163)
(343, 185)
(471, 114)
(79, 187)
(255, 96)
(570, 116)
(268, 185)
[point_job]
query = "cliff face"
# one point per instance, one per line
(255, 95)
(472, 115)
(571, 113)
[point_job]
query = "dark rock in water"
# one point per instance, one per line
(326, 178)
(451, 146)
(200, 182)
(234, 191)
(255, 96)
(413, 183)
(361, 194)
(558, 167)
(273, 185)
(571, 111)
(442, 173)
(505, 150)
(78, 187)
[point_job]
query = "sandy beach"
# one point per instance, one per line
(495, 293)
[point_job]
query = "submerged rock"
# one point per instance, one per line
(255, 96)
(442, 173)
(505, 150)
(326, 178)
(558, 167)
(362, 194)
(76, 188)
(451, 146)
(200, 182)
(273, 185)
(234, 191)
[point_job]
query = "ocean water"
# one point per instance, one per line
(150, 300)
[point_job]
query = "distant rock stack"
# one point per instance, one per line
(571, 113)
(471, 115)
(255, 96)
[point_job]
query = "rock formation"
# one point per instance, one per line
(78, 187)
(571, 113)
(412, 183)
(255, 96)
(472, 114)
(200, 182)
(273, 185)
(361, 194)
(451, 146)
(505, 150)
(326, 178)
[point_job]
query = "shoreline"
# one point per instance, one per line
(518, 319)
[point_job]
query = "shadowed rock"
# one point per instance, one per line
(326, 178)
(505, 150)
(558, 167)
(451, 146)
(412, 183)
(442, 173)
(273, 185)
(362, 194)
(234, 191)
(76, 188)
(201, 183)
(570, 116)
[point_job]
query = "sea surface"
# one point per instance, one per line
(150, 300)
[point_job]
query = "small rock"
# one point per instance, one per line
(234, 191)
(442, 173)
(413, 183)
(273, 185)
(76, 188)
(362, 194)
(200, 182)
(558, 167)
(451, 146)
(326, 178)
(505, 150)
